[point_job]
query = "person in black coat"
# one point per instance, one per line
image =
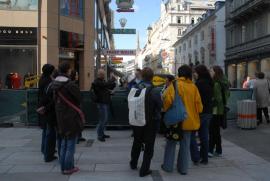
(146, 134)
(205, 86)
(103, 90)
(47, 120)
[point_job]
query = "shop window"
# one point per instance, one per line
(252, 68)
(72, 8)
(265, 67)
(241, 74)
(23, 5)
(232, 75)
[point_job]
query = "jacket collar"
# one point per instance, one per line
(184, 79)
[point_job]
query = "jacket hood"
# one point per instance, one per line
(59, 81)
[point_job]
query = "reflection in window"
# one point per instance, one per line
(73, 8)
(25, 5)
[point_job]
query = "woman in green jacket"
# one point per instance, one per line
(220, 97)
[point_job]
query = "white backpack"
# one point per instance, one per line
(136, 107)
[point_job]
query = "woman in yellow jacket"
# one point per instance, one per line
(193, 104)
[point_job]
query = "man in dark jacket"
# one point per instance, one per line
(147, 134)
(103, 90)
(68, 119)
(47, 120)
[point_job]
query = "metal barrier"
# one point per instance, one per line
(237, 95)
(13, 103)
(24, 103)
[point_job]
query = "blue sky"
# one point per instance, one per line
(146, 12)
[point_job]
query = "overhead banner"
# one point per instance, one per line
(123, 31)
(120, 52)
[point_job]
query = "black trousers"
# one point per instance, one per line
(143, 135)
(214, 134)
(259, 114)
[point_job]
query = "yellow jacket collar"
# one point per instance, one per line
(184, 79)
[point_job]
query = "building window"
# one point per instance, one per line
(202, 35)
(255, 33)
(196, 40)
(180, 49)
(179, 8)
(179, 32)
(192, 21)
(189, 44)
(185, 47)
(179, 19)
(243, 34)
(19, 5)
(73, 8)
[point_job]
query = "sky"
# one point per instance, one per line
(146, 13)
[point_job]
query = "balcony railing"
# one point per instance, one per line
(249, 7)
(259, 45)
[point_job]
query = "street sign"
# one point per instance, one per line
(123, 31)
(125, 10)
(117, 60)
(120, 52)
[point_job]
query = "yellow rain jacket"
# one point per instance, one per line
(191, 98)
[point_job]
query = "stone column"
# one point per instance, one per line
(49, 33)
(87, 64)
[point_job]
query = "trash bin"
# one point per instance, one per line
(247, 114)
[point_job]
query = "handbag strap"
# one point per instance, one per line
(70, 104)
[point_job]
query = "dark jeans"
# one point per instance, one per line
(214, 134)
(259, 114)
(146, 136)
(103, 119)
(196, 155)
(67, 152)
(48, 142)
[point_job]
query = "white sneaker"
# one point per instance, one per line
(210, 155)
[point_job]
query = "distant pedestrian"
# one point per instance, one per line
(261, 93)
(47, 116)
(205, 84)
(146, 134)
(103, 90)
(192, 101)
(137, 80)
(70, 118)
(220, 97)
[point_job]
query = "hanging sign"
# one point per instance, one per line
(120, 52)
(123, 31)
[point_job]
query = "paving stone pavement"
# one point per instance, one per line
(21, 160)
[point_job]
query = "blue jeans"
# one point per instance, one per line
(67, 152)
(196, 155)
(183, 154)
(48, 142)
(103, 119)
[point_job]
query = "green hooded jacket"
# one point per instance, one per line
(219, 87)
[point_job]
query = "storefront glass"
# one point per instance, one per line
(72, 8)
(241, 74)
(252, 69)
(232, 74)
(22, 5)
(17, 60)
(265, 67)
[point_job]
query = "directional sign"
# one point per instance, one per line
(120, 52)
(123, 31)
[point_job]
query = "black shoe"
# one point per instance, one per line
(204, 162)
(268, 121)
(106, 136)
(51, 159)
(101, 139)
(82, 139)
(182, 173)
(132, 167)
(163, 168)
(143, 174)
(196, 163)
